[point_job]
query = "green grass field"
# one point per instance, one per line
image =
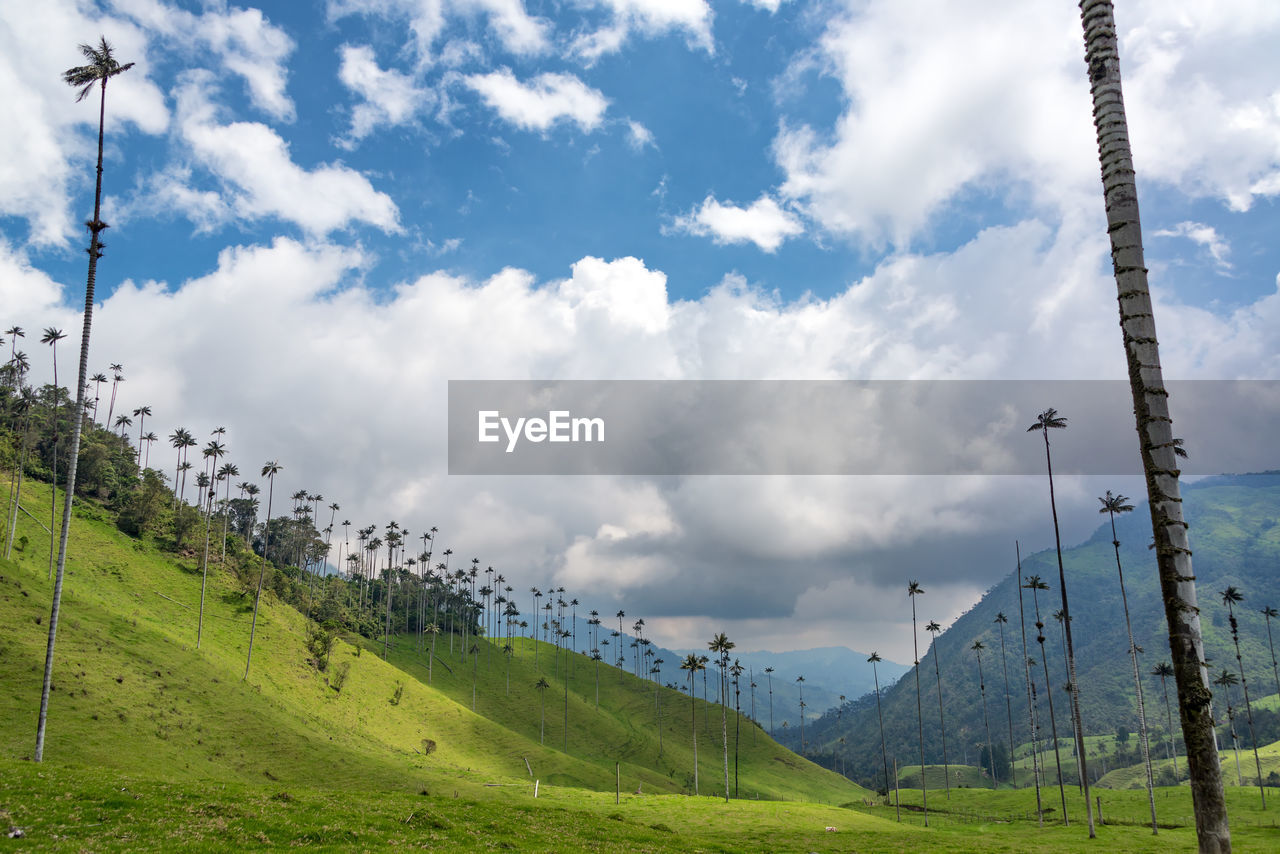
(155, 745)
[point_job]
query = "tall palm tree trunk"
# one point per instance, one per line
(1137, 679)
(1008, 699)
(1077, 724)
(1154, 426)
(262, 574)
(106, 67)
(942, 721)
(1053, 718)
(924, 789)
(884, 750)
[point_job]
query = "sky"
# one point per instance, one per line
(321, 213)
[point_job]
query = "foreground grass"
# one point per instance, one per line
(64, 809)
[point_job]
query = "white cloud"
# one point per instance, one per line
(519, 32)
(765, 223)
(648, 17)
(1202, 235)
(934, 110)
(639, 136)
(541, 102)
(242, 40)
(48, 155)
(260, 178)
(389, 97)
(769, 6)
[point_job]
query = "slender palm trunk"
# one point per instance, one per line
(884, 750)
(53, 487)
(724, 729)
(1248, 707)
(1008, 700)
(1076, 722)
(16, 493)
(991, 756)
(1271, 645)
(204, 580)
(1137, 682)
(924, 788)
(1154, 426)
(1053, 720)
(942, 722)
(96, 225)
(262, 574)
(693, 721)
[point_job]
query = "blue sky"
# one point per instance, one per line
(322, 212)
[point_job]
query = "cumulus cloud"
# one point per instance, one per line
(770, 6)
(259, 177)
(541, 102)
(765, 223)
(518, 32)
(52, 156)
(387, 96)
(241, 40)
(1202, 235)
(649, 18)
(931, 113)
(639, 136)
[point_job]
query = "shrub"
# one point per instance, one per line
(339, 676)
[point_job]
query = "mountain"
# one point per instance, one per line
(1235, 534)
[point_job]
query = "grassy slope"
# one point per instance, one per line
(624, 728)
(133, 694)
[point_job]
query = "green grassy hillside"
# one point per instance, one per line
(133, 694)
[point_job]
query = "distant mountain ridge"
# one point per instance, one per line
(1235, 535)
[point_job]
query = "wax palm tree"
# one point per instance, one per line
(97, 379)
(720, 644)
(117, 377)
(1267, 613)
(933, 628)
(1030, 687)
(180, 439)
(913, 590)
(800, 682)
(542, 685)
(1230, 597)
(14, 333)
(1000, 621)
(226, 472)
(141, 413)
(977, 648)
(148, 439)
(768, 672)
(1163, 670)
(875, 659)
(203, 482)
(269, 471)
(1157, 444)
(101, 68)
(52, 337)
(23, 405)
(123, 421)
(1035, 585)
(1113, 505)
(1048, 420)
(1225, 680)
